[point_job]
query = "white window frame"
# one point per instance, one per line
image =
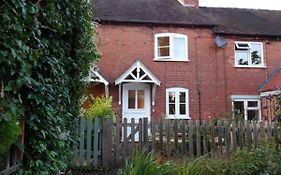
(246, 99)
(171, 47)
(177, 115)
(249, 50)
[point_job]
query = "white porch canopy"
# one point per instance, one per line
(96, 76)
(138, 73)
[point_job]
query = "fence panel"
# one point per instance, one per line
(169, 137)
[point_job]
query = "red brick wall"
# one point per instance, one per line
(210, 69)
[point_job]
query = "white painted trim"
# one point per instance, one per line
(265, 94)
(245, 99)
(139, 65)
(171, 46)
(99, 79)
(186, 5)
(147, 104)
(170, 60)
(262, 65)
(242, 66)
(177, 115)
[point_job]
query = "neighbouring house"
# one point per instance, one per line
(174, 59)
(270, 92)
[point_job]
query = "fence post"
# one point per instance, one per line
(117, 142)
(106, 143)
(168, 136)
(220, 134)
(234, 137)
(153, 133)
(190, 137)
(176, 136)
(227, 140)
(248, 138)
(145, 132)
(97, 140)
(183, 138)
(81, 146)
(89, 141)
(161, 136)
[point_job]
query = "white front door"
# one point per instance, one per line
(136, 102)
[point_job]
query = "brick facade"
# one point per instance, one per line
(210, 72)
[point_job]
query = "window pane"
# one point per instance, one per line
(172, 97)
(179, 48)
(252, 104)
(140, 99)
(182, 109)
(241, 57)
(164, 52)
(182, 97)
(256, 53)
(243, 45)
(131, 99)
(239, 109)
(163, 41)
(253, 115)
(172, 109)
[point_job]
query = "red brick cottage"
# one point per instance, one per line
(175, 59)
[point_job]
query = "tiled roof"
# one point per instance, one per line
(233, 21)
(245, 21)
(169, 12)
(273, 82)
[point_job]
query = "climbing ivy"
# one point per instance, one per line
(46, 48)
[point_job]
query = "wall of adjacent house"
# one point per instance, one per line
(210, 69)
(270, 107)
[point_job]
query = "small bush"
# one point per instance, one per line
(102, 107)
(264, 160)
(9, 132)
(146, 164)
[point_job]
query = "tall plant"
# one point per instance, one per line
(46, 48)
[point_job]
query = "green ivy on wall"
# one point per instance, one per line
(46, 48)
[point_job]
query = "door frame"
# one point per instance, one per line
(147, 99)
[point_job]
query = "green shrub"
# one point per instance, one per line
(102, 107)
(265, 160)
(46, 50)
(146, 164)
(9, 132)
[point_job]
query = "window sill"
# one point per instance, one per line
(178, 117)
(255, 67)
(170, 60)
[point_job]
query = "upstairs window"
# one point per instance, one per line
(177, 103)
(171, 47)
(249, 54)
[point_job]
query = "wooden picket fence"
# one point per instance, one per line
(9, 161)
(172, 138)
(90, 143)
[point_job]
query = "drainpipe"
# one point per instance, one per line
(198, 82)
(199, 98)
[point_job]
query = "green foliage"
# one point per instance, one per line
(102, 107)
(146, 164)
(8, 134)
(46, 48)
(264, 160)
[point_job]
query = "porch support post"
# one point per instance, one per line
(106, 90)
(153, 96)
(119, 102)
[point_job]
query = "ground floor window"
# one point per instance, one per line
(246, 107)
(177, 103)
